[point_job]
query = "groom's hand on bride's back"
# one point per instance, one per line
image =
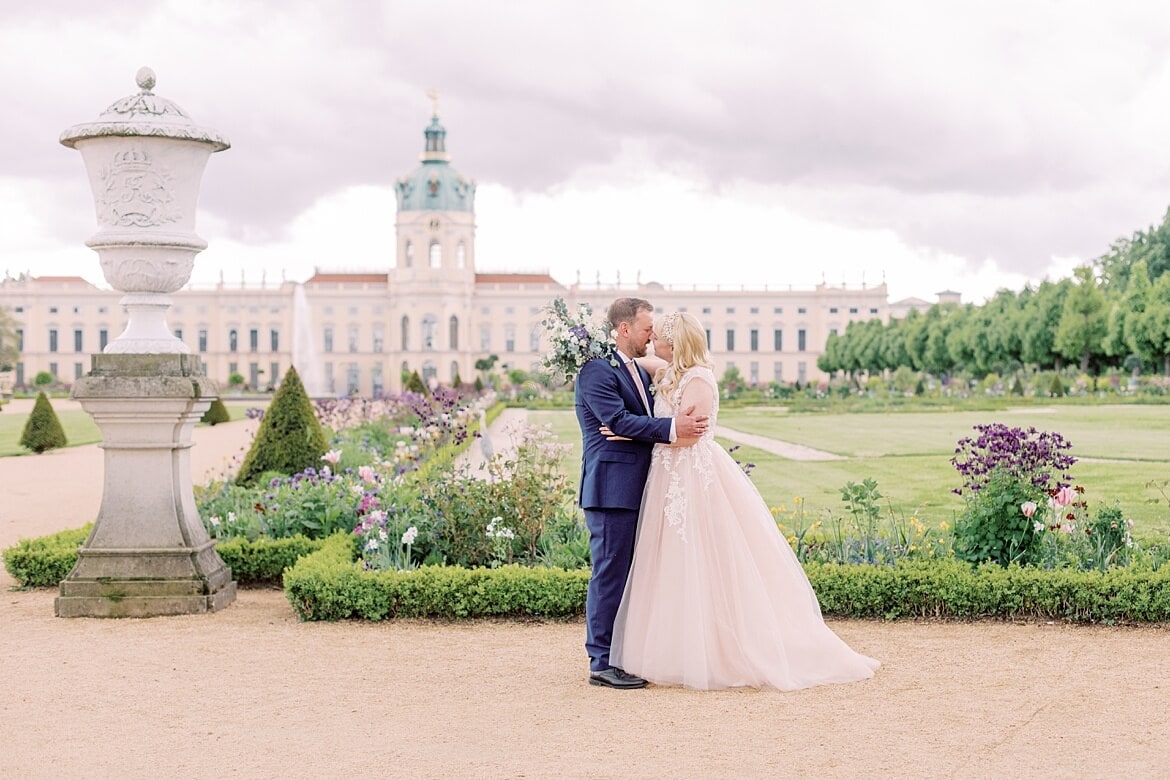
(688, 425)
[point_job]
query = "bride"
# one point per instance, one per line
(716, 598)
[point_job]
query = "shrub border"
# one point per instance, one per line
(323, 581)
(46, 560)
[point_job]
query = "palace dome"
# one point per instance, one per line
(435, 185)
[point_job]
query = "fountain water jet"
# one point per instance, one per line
(305, 357)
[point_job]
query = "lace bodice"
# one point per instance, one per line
(687, 469)
(667, 407)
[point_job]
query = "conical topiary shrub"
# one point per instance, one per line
(290, 438)
(216, 413)
(1056, 388)
(43, 430)
(415, 384)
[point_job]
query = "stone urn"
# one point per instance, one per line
(145, 160)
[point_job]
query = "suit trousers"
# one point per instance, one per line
(611, 545)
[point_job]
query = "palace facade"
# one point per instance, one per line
(430, 311)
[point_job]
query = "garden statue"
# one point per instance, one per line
(149, 553)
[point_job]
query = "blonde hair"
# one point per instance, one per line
(689, 341)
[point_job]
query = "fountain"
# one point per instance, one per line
(148, 553)
(305, 357)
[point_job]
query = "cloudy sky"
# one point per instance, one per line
(931, 144)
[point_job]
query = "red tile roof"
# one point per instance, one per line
(515, 279)
(347, 279)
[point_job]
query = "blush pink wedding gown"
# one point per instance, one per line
(716, 598)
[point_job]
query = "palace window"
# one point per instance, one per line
(436, 255)
(453, 329)
(430, 326)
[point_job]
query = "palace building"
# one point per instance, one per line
(432, 310)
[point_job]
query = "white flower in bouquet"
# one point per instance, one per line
(574, 340)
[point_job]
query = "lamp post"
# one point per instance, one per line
(149, 553)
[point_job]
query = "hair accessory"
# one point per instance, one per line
(669, 322)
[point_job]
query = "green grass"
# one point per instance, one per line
(908, 454)
(79, 427)
(1115, 432)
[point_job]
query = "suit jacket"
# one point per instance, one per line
(613, 473)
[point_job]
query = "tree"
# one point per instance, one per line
(415, 384)
(1157, 321)
(1135, 320)
(43, 430)
(290, 438)
(1151, 247)
(1084, 319)
(216, 413)
(9, 345)
(1038, 324)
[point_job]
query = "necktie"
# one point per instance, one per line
(638, 383)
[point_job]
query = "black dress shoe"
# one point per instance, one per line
(614, 677)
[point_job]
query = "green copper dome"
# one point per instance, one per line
(435, 185)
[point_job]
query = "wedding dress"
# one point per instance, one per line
(715, 597)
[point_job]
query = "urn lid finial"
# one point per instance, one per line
(145, 114)
(145, 79)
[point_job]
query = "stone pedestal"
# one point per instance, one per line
(149, 553)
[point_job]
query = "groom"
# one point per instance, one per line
(613, 473)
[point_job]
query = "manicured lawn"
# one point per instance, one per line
(79, 427)
(908, 454)
(1116, 432)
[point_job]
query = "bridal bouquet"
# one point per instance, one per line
(574, 339)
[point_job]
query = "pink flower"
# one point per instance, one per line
(1062, 498)
(332, 456)
(1028, 508)
(366, 473)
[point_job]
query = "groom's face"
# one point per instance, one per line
(638, 335)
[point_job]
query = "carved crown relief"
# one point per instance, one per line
(136, 192)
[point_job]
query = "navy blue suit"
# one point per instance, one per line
(613, 474)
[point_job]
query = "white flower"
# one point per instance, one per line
(371, 545)
(231, 518)
(573, 340)
(382, 534)
(409, 535)
(214, 520)
(357, 490)
(1038, 526)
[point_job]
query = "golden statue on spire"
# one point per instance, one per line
(433, 94)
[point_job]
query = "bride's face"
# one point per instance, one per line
(661, 348)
